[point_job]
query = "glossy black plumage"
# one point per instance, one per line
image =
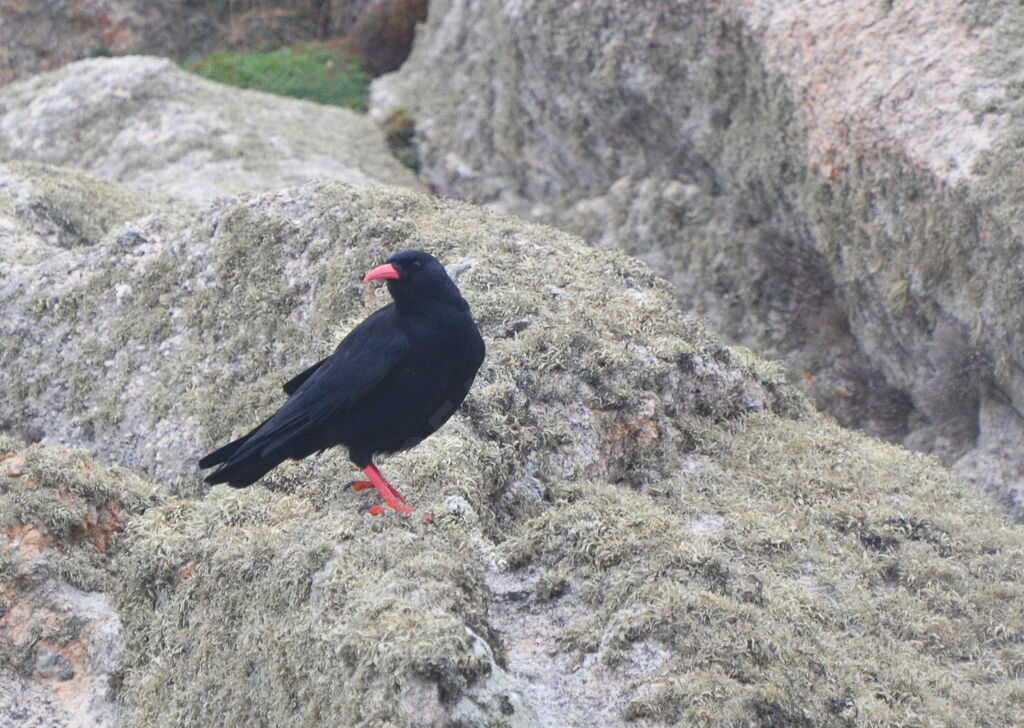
(396, 378)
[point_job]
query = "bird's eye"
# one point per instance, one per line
(415, 265)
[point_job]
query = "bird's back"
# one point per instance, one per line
(420, 392)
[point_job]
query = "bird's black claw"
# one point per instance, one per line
(374, 509)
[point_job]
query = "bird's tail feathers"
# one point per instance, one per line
(221, 454)
(252, 456)
(242, 473)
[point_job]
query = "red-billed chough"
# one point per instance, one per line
(397, 377)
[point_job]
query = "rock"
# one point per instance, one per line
(60, 635)
(188, 284)
(38, 37)
(345, 620)
(837, 186)
(48, 209)
(146, 123)
(633, 524)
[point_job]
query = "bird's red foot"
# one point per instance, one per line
(378, 510)
(366, 485)
(391, 496)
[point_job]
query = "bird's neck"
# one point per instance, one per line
(418, 304)
(425, 308)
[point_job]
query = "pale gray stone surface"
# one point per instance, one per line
(146, 123)
(837, 185)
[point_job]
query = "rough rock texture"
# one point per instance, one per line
(60, 635)
(837, 184)
(45, 207)
(41, 36)
(633, 524)
(145, 122)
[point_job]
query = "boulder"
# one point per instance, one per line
(60, 635)
(148, 124)
(632, 523)
(836, 185)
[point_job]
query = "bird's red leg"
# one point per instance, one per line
(387, 492)
(366, 485)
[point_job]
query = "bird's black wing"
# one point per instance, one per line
(295, 382)
(223, 453)
(364, 358)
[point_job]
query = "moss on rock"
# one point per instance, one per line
(74, 506)
(621, 502)
(794, 556)
(145, 122)
(61, 517)
(809, 199)
(297, 610)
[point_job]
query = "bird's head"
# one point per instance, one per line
(415, 277)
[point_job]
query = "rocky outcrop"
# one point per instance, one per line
(836, 185)
(174, 287)
(60, 635)
(632, 523)
(148, 124)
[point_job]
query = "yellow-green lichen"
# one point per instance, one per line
(61, 516)
(799, 555)
(294, 610)
(672, 496)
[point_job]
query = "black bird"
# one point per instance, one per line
(397, 377)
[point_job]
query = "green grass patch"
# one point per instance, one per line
(313, 71)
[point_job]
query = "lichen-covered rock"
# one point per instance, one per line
(838, 185)
(187, 306)
(794, 576)
(45, 209)
(60, 635)
(300, 610)
(632, 524)
(147, 123)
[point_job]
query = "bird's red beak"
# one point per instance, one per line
(386, 271)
